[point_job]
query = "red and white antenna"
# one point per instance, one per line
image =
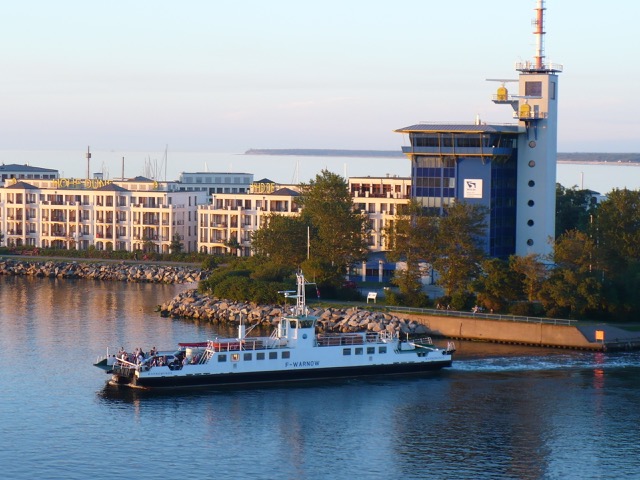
(538, 23)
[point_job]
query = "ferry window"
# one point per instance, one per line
(371, 350)
(273, 355)
(259, 356)
(286, 354)
(248, 357)
(358, 350)
(222, 358)
(235, 357)
(382, 349)
(346, 351)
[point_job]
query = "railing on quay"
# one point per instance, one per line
(480, 315)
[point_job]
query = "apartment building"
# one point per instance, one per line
(80, 213)
(379, 198)
(227, 224)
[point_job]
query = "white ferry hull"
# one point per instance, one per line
(279, 376)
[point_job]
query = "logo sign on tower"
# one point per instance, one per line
(472, 188)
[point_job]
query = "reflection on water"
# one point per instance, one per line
(501, 411)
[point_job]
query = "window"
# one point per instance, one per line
(235, 357)
(532, 163)
(382, 349)
(346, 351)
(530, 223)
(530, 242)
(273, 355)
(531, 183)
(286, 354)
(533, 89)
(359, 350)
(222, 358)
(371, 350)
(531, 203)
(259, 356)
(248, 357)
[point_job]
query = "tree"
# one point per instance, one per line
(616, 233)
(617, 229)
(452, 243)
(573, 288)
(176, 244)
(497, 285)
(411, 236)
(459, 243)
(338, 234)
(532, 271)
(233, 245)
(283, 240)
(573, 209)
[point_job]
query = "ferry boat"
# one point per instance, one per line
(293, 352)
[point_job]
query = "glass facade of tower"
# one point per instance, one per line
(475, 164)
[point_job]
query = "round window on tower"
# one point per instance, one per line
(529, 242)
(531, 183)
(531, 203)
(532, 163)
(532, 144)
(530, 223)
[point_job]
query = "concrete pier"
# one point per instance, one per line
(541, 334)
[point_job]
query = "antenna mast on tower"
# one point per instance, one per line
(538, 23)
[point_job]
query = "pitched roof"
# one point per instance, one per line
(22, 186)
(112, 187)
(140, 179)
(14, 167)
(286, 191)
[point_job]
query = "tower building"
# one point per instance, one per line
(508, 168)
(537, 114)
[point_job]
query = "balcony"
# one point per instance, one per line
(524, 114)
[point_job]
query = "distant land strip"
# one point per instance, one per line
(320, 152)
(571, 157)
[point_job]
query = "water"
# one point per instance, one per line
(501, 412)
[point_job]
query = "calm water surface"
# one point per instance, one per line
(500, 412)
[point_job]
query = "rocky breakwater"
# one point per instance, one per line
(193, 305)
(136, 273)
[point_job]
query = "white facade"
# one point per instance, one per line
(72, 213)
(228, 223)
(537, 158)
(379, 198)
(140, 213)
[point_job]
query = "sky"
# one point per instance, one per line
(228, 75)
